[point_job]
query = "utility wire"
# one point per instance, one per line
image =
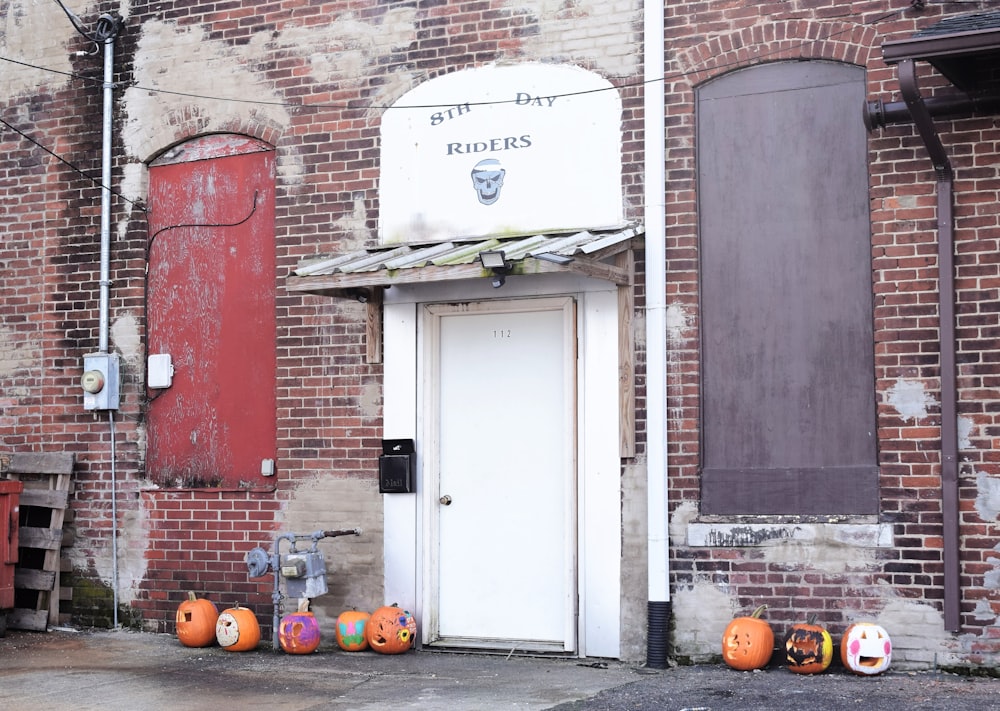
(71, 166)
(665, 78)
(624, 85)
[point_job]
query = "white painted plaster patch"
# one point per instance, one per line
(701, 613)
(678, 324)
(212, 80)
(680, 520)
(919, 640)
(342, 50)
(134, 184)
(35, 33)
(984, 612)
(991, 579)
(16, 352)
(125, 334)
(987, 497)
(909, 398)
(966, 427)
(370, 400)
(602, 35)
(355, 225)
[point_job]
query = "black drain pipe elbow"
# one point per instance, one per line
(658, 634)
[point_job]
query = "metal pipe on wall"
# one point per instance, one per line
(946, 313)
(105, 284)
(108, 34)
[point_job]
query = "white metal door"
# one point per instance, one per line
(502, 489)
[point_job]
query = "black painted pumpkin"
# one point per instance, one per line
(808, 648)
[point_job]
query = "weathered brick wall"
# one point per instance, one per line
(897, 580)
(312, 79)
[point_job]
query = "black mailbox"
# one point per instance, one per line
(395, 466)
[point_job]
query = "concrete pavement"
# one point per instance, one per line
(131, 671)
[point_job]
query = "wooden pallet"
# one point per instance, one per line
(47, 479)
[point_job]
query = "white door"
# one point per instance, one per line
(501, 486)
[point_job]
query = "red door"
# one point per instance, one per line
(210, 306)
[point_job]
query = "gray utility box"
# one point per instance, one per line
(304, 574)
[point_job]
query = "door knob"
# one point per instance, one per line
(445, 500)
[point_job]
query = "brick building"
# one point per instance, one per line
(706, 372)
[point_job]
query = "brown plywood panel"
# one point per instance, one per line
(788, 355)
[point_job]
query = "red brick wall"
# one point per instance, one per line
(327, 201)
(904, 245)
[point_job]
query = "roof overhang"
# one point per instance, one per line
(964, 48)
(581, 253)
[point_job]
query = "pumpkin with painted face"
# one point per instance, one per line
(866, 649)
(237, 629)
(298, 632)
(808, 648)
(391, 630)
(350, 630)
(748, 642)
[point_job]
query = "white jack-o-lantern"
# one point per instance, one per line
(866, 648)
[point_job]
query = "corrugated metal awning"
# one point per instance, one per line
(578, 252)
(964, 48)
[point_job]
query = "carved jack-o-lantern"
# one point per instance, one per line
(866, 648)
(808, 648)
(391, 630)
(747, 642)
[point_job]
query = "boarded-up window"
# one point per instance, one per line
(788, 373)
(211, 307)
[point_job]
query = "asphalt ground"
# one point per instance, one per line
(132, 671)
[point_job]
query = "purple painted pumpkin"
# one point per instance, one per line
(298, 632)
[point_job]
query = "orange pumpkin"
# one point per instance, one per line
(237, 629)
(350, 632)
(298, 632)
(808, 648)
(391, 630)
(748, 642)
(196, 618)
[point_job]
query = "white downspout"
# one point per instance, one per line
(654, 110)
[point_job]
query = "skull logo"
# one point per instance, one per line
(487, 179)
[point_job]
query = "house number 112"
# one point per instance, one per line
(501, 333)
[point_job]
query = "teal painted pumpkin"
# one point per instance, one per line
(350, 632)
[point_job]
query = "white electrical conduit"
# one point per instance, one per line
(654, 132)
(105, 276)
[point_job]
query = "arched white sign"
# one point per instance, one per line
(509, 150)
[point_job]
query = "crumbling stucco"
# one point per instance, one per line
(36, 34)
(133, 534)
(126, 338)
(16, 352)
(572, 29)
(701, 612)
(987, 497)
(635, 564)
(909, 398)
(678, 325)
(919, 640)
(169, 91)
(353, 563)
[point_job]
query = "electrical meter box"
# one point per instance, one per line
(100, 381)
